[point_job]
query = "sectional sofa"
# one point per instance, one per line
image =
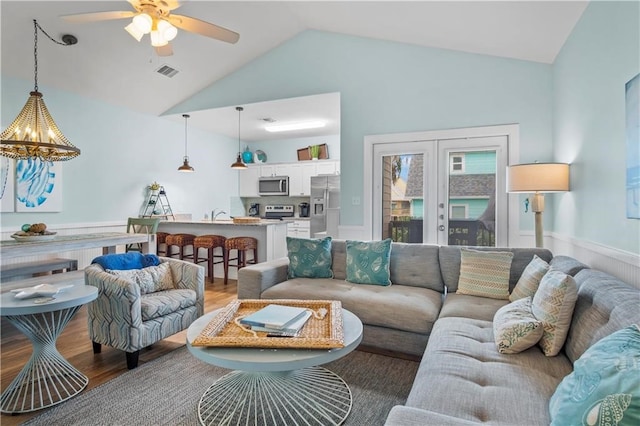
(463, 378)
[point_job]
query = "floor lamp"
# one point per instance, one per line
(538, 178)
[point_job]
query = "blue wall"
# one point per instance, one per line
(388, 87)
(589, 76)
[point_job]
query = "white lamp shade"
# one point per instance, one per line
(538, 177)
(134, 31)
(168, 31)
(143, 22)
(157, 40)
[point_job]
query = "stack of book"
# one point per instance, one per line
(278, 320)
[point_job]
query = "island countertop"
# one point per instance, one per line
(270, 233)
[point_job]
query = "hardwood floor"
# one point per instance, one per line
(75, 346)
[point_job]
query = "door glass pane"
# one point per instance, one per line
(402, 197)
(471, 198)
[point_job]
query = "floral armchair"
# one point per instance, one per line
(138, 307)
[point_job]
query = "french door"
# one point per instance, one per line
(441, 191)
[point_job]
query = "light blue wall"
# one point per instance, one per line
(388, 87)
(589, 75)
(123, 152)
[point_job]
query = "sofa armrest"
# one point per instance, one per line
(401, 415)
(111, 287)
(254, 279)
(187, 275)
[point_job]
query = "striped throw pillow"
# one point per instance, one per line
(485, 273)
(529, 281)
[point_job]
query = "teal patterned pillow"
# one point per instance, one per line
(515, 329)
(309, 258)
(604, 387)
(368, 262)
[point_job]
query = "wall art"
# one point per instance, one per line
(7, 185)
(38, 186)
(632, 97)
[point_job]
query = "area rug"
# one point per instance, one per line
(166, 391)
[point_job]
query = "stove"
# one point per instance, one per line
(278, 211)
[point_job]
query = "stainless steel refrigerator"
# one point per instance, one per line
(325, 205)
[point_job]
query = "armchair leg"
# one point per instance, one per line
(132, 359)
(97, 348)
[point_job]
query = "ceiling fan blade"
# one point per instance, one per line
(165, 50)
(98, 16)
(203, 28)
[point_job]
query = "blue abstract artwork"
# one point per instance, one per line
(7, 185)
(632, 97)
(38, 186)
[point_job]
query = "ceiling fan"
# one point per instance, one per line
(154, 17)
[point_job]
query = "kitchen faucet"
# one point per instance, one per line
(214, 215)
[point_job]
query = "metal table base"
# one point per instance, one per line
(47, 379)
(309, 396)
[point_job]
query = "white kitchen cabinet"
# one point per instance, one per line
(327, 167)
(296, 181)
(248, 181)
(267, 170)
(299, 229)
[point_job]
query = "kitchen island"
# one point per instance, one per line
(271, 236)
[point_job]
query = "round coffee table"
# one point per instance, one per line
(275, 386)
(47, 378)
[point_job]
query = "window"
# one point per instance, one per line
(458, 211)
(457, 163)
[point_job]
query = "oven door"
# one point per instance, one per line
(275, 185)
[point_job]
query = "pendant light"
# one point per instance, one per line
(34, 134)
(185, 165)
(239, 164)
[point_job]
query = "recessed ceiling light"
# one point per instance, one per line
(302, 125)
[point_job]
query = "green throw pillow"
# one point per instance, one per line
(604, 387)
(368, 262)
(309, 258)
(484, 273)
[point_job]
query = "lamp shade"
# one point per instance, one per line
(538, 177)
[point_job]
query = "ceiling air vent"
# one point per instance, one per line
(167, 71)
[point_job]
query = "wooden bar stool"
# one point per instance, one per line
(161, 238)
(210, 243)
(182, 241)
(242, 245)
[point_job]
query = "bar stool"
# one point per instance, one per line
(182, 241)
(161, 238)
(242, 245)
(209, 242)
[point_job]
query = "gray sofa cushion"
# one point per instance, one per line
(605, 304)
(463, 375)
(398, 307)
(474, 307)
(567, 264)
(415, 265)
(449, 257)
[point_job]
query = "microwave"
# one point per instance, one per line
(273, 185)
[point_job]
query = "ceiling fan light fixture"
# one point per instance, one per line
(143, 22)
(134, 31)
(168, 31)
(157, 40)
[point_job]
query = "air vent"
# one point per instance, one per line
(167, 71)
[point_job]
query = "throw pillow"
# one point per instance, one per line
(485, 273)
(515, 328)
(309, 258)
(368, 262)
(603, 388)
(529, 281)
(131, 260)
(553, 304)
(150, 279)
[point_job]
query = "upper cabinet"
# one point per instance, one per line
(299, 175)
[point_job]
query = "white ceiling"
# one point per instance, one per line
(107, 64)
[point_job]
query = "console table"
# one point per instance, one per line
(47, 378)
(10, 249)
(275, 386)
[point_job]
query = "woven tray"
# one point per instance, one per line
(324, 333)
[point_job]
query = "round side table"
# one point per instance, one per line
(47, 378)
